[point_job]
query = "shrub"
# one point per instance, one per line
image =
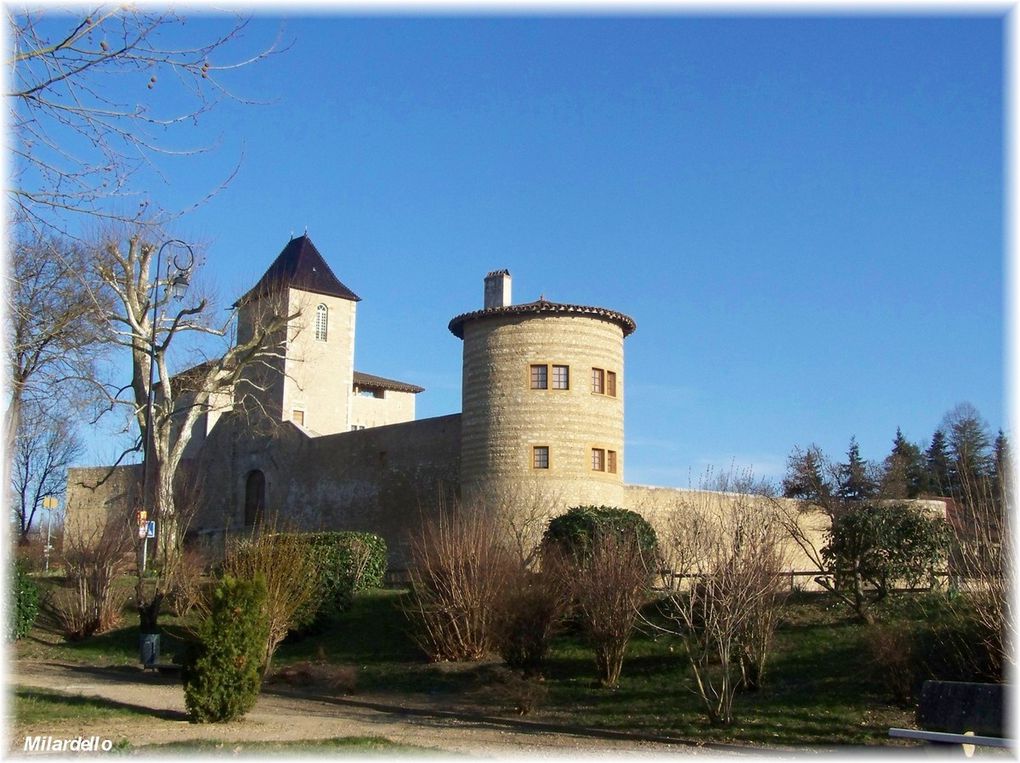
(93, 562)
(528, 616)
(459, 573)
(876, 545)
(894, 662)
(284, 563)
(725, 592)
(26, 602)
(575, 531)
(609, 585)
(222, 672)
(347, 562)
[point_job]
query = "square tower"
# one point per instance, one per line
(310, 381)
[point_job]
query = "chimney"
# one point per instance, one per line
(497, 289)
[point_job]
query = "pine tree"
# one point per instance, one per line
(903, 473)
(937, 465)
(806, 476)
(855, 482)
(969, 442)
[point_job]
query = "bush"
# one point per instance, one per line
(93, 560)
(528, 616)
(459, 575)
(878, 545)
(285, 564)
(26, 602)
(222, 673)
(575, 532)
(347, 562)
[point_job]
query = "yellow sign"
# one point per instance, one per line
(49, 502)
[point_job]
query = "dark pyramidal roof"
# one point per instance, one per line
(300, 266)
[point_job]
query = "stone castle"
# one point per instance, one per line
(333, 448)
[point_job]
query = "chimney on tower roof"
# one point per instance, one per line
(497, 289)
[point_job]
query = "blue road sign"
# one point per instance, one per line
(150, 528)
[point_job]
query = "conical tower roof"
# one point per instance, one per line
(300, 266)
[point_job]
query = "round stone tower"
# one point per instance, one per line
(542, 401)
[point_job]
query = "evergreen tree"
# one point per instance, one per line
(855, 482)
(903, 474)
(1002, 465)
(806, 476)
(936, 460)
(969, 442)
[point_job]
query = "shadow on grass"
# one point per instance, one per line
(57, 701)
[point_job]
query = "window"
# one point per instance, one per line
(598, 381)
(540, 457)
(561, 377)
(611, 461)
(540, 377)
(321, 322)
(611, 383)
(299, 418)
(598, 460)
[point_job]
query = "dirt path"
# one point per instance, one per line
(282, 716)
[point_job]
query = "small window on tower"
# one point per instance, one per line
(299, 418)
(561, 377)
(540, 377)
(611, 461)
(598, 460)
(321, 322)
(611, 383)
(540, 457)
(598, 381)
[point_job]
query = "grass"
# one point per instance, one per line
(40, 706)
(818, 689)
(816, 692)
(355, 745)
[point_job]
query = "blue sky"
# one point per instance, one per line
(803, 215)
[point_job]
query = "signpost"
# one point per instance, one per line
(49, 503)
(146, 530)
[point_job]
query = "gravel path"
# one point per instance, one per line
(282, 716)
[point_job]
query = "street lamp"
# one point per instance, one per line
(178, 273)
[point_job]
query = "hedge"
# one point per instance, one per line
(574, 531)
(348, 562)
(26, 602)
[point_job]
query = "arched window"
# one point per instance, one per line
(321, 322)
(254, 499)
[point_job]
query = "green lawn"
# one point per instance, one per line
(819, 690)
(347, 745)
(32, 706)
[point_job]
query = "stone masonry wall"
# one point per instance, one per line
(503, 418)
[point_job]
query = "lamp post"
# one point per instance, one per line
(178, 270)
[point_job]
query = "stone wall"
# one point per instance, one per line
(379, 480)
(95, 494)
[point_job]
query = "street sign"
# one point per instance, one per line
(141, 531)
(140, 517)
(150, 528)
(49, 502)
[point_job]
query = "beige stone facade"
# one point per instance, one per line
(312, 443)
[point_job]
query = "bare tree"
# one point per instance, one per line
(725, 590)
(46, 446)
(79, 138)
(53, 327)
(152, 325)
